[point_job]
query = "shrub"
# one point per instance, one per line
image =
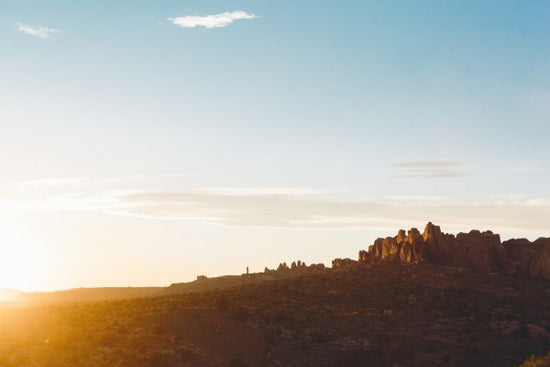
(533, 361)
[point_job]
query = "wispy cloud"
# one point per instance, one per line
(430, 169)
(52, 194)
(312, 210)
(161, 197)
(39, 32)
(211, 21)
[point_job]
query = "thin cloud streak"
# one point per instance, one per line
(211, 21)
(38, 32)
(290, 208)
(429, 169)
(428, 164)
(328, 212)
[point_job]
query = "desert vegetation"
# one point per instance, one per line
(383, 314)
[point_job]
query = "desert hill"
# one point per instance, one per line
(217, 283)
(479, 251)
(203, 283)
(381, 314)
(77, 295)
(402, 303)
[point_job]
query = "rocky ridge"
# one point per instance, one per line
(476, 250)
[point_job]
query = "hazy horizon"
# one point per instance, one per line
(146, 144)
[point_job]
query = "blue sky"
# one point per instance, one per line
(304, 125)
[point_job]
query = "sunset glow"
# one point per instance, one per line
(144, 145)
(21, 261)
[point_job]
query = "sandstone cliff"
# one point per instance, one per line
(479, 251)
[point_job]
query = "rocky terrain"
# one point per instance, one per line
(381, 314)
(430, 299)
(479, 251)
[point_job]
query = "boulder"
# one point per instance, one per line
(478, 251)
(438, 246)
(531, 259)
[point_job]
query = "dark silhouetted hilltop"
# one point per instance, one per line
(283, 271)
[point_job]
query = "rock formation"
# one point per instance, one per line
(479, 251)
(296, 267)
(342, 263)
(529, 258)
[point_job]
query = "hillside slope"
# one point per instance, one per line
(384, 314)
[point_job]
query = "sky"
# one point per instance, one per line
(146, 144)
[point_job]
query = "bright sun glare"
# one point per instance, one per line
(19, 260)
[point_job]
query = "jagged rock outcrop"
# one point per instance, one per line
(408, 247)
(529, 258)
(479, 251)
(295, 267)
(342, 263)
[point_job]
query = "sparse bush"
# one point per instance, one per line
(534, 361)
